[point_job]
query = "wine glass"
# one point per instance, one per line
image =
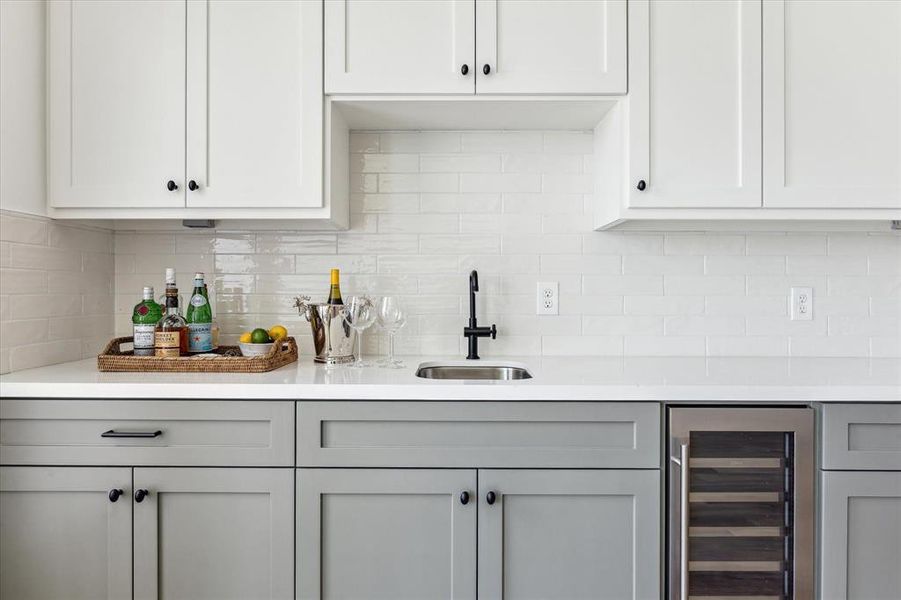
(359, 313)
(392, 317)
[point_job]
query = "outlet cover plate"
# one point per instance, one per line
(548, 298)
(802, 304)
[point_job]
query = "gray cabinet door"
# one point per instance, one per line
(386, 534)
(61, 536)
(569, 534)
(214, 533)
(861, 536)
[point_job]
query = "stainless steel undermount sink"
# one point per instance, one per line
(473, 370)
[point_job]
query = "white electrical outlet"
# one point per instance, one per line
(548, 298)
(802, 304)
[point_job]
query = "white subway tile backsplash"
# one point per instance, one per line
(425, 209)
(460, 163)
(460, 203)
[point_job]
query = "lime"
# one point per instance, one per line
(260, 336)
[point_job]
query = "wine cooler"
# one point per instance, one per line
(741, 503)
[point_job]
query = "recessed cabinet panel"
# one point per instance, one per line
(399, 46)
(116, 103)
(694, 106)
(254, 131)
(60, 534)
(861, 535)
(560, 47)
(214, 533)
(383, 534)
(569, 534)
(832, 103)
(861, 437)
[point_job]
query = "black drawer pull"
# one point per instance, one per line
(114, 495)
(490, 497)
(140, 495)
(112, 433)
(464, 498)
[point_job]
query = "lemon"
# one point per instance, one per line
(278, 332)
(259, 336)
(245, 337)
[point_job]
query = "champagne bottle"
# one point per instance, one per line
(199, 317)
(334, 292)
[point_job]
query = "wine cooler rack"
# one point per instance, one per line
(741, 504)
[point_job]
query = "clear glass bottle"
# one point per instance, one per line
(199, 317)
(171, 335)
(144, 318)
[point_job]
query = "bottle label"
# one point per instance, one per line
(200, 337)
(167, 343)
(144, 336)
(197, 300)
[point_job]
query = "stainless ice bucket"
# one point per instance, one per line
(333, 339)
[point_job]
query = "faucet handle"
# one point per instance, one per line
(493, 331)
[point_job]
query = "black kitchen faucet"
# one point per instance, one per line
(473, 332)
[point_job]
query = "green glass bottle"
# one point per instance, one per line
(199, 316)
(144, 318)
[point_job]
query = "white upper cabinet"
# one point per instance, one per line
(254, 104)
(832, 104)
(560, 47)
(399, 46)
(694, 112)
(116, 98)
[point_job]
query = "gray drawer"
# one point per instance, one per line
(196, 433)
(478, 434)
(862, 437)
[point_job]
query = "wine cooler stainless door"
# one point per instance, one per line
(741, 511)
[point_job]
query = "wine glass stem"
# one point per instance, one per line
(360, 348)
(390, 347)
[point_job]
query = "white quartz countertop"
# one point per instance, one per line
(570, 378)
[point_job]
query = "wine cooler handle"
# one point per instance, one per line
(682, 461)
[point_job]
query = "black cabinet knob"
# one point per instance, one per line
(170, 185)
(641, 185)
(464, 69)
(140, 495)
(486, 69)
(114, 495)
(192, 185)
(464, 498)
(490, 497)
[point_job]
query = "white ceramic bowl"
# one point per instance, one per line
(248, 349)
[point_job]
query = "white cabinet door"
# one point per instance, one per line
(861, 535)
(384, 534)
(61, 535)
(399, 46)
(694, 104)
(832, 103)
(116, 103)
(559, 47)
(214, 533)
(254, 98)
(569, 534)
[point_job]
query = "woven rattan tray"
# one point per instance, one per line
(229, 360)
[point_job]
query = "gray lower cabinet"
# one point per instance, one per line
(61, 536)
(414, 534)
(214, 533)
(386, 534)
(861, 536)
(569, 534)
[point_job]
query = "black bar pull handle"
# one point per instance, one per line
(112, 433)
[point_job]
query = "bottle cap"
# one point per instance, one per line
(198, 275)
(148, 291)
(170, 275)
(334, 276)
